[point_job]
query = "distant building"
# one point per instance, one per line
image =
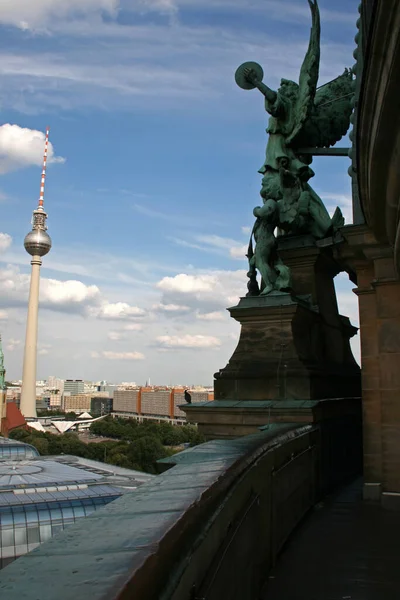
(74, 386)
(52, 398)
(178, 397)
(3, 389)
(43, 403)
(201, 396)
(55, 400)
(156, 402)
(126, 401)
(100, 406)
(77, 402)
(13, 394)
(54, 383)
(109, 388)
(40, 496)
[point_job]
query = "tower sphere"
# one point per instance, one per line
(37, 242)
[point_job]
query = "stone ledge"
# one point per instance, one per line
(130, 548)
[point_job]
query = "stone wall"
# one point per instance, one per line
(209, 527)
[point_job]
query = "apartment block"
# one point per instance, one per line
(178, 397)
(156, 402)
(126, 401)
(77, 403)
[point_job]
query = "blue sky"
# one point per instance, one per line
(154, 174)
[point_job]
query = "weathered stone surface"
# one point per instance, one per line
(141, 545)
(357, 559)
(379, 302)
(293, 346)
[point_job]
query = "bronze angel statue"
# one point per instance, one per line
(302, 116)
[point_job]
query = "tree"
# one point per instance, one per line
(170, 435)
(19, 434)
(41, 445)
(71, 416)
(145, 451)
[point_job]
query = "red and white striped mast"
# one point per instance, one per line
(42, 181)
(37, 243)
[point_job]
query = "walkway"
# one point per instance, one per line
(345, 549)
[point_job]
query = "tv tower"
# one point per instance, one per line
(3, 389)
(37, 243)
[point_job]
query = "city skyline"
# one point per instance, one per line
(153, 176)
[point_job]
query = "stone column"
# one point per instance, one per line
(28, 391)
(387, 291)
(379, 303)
(370, 377)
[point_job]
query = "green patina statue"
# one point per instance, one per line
(302, 118)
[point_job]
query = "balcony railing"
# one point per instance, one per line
(207, 528)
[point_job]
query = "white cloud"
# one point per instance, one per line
(205, 293)
(238, 251)
(133, 327)
(21, 147)
(68, 294)
(246, 230)
(12, 344)
(43, 349)
(122, 355)
(211, 316)
(170, 308)
(344, 202)
(275, 9)
(162, 6)
(36, 14)
(234, 249)
(65, 296)
(128, 69)
(71, 296)
(5, 241)
(3, 315)
(187, 283)
(188, 341)
(118, 311)
(116, 336)
(215, 244)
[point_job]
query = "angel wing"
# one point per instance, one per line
(308, 74)
(329, 118)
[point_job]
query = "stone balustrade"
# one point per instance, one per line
(209, 527)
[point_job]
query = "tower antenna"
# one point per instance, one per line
(43, 179)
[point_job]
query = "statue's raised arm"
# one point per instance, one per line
(252, 74)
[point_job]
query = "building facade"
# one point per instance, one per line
(127, 401)
(155, 402)
(74, 386)
(77, 403)
(100, 406)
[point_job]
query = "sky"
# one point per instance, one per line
(152, 174)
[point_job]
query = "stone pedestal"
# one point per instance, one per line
(293, 348)
(285, 351)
